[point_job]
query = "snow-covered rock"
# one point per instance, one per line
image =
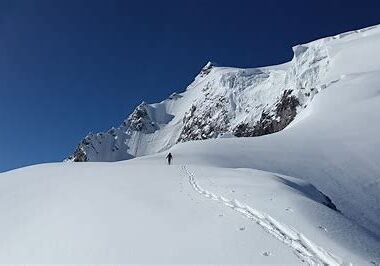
(223, 100)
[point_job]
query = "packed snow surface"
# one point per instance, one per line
(308, 194)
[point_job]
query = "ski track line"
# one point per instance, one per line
(303, 248)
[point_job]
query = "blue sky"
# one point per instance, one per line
(69, 67)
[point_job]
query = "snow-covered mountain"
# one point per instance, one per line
(307, 194)
(220, 101)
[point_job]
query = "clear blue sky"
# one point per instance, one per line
(69, 67)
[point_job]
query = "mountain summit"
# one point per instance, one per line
(224, 101)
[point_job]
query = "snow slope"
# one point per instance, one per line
(139, 211)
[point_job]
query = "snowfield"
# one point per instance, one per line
(146, 212)
(306, 195)
(143, 211)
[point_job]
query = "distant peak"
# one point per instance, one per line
(210, 64)
(207, 68)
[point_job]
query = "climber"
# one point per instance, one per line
(169, 157)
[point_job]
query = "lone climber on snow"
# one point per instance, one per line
(169, 157)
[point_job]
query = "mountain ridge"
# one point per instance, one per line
(222, 101)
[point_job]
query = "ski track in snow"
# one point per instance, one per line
(303, 248)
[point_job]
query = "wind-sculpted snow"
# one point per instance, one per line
(302, 247)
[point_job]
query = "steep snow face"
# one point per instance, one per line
(224, 101)
(123, 142)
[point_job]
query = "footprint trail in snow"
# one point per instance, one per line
(303, 248)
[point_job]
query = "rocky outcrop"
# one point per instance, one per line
(140, 120)
(204, 125)
(206, 69)
(271, 121)
(79, 155)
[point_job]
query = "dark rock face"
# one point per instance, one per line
(206, 69)
(79, 155)
(205, 125)
(140, 120)
(272, 121)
